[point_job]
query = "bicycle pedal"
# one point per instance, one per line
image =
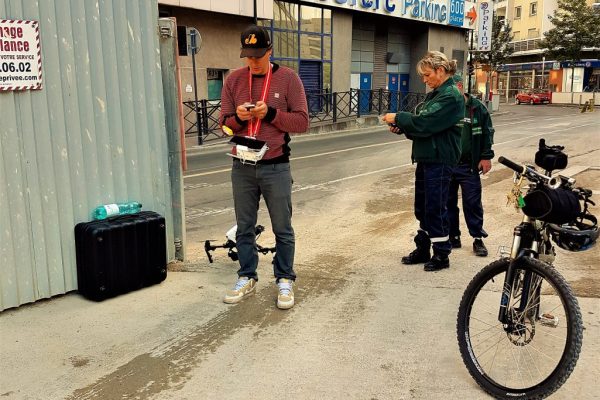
(503, 251)
(549, 320)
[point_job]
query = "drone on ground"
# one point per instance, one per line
(231, 246)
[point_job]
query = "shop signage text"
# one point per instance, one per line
(20, 55)
(450, 12)
(457, 12)
(484, 35)
(548, 65)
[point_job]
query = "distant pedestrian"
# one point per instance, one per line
(435, 134)
(263, 102)
(476, 158)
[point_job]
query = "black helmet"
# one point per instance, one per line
(577, 235)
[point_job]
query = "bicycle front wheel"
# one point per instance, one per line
(532, 355)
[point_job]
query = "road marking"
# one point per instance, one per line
(300, 158)
(322, 184)
(195, 213)
(388, 143)
(192, 214)
(547, 133)
(524, 120)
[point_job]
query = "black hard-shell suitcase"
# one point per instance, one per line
(120, 254)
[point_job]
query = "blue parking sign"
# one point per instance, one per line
(457, 12)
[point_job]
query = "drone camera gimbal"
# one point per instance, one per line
(230, 244)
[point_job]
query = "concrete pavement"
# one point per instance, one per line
(364, 327)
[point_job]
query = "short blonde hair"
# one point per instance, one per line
(435, 60)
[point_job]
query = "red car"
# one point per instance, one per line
(535, 97)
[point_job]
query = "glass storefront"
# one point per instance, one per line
(520, 81)
(302, 40)
(541, 82)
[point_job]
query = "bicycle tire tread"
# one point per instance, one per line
(566, 366)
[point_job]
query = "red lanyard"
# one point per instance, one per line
(253, 127)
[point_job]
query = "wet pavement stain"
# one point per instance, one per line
(170, 366)
(389, 203)
(589, 179)
(77, 361)
(387, 225)
(586, 287)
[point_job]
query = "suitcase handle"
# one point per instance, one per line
(120, 216)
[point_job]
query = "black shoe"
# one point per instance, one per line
(417, 256)
(455, 242)
(437, 263)
(479, 248)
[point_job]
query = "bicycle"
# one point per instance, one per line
(519, 325)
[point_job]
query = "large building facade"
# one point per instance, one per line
(528, 68)
(334, 45)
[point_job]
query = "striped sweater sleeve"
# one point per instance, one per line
(228, 107)
(295, 119)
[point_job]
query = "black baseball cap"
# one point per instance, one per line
(255, 41)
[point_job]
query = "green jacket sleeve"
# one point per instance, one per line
(437, 117)
(487, 130)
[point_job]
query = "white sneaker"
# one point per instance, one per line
(243, 287)
(285, 299)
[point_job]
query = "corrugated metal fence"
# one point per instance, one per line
(94, 134)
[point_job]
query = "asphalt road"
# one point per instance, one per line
(364, 326)
(320, 161)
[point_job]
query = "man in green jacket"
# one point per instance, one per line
(435, 133)
(476, 158)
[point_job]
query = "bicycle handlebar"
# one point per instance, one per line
(553, 182)
(512, 165)
(531, 174)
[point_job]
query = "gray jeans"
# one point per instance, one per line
(274, 183)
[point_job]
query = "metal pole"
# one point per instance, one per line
(193, 45)
(572, 79)
(255, 14)
(470, 61)
(543, 65)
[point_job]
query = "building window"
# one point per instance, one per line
(363, 49)
(214, 83)
(516, 35)
(302, 40)
(532, 33)
(285, 44)
(517, 12)
(533, 8)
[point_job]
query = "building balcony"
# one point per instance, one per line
(501, 5)
(523, 47)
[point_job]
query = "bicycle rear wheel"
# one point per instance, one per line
(533, 355)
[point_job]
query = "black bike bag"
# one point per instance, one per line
(556, 206)
(550, 157)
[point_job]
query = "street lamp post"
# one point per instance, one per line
(195, 46)
(543, 70)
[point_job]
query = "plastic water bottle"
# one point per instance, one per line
(109, 210)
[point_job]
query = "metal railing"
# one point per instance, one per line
(324, 108)
(526, 45)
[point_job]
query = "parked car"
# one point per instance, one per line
(534, 97)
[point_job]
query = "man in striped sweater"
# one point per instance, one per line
(264, 101)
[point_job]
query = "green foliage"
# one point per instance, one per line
(576, 26)
(501, 48)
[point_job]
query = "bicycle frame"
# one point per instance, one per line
(526, 243)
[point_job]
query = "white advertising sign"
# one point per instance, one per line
(484, 35)
(20, 55)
